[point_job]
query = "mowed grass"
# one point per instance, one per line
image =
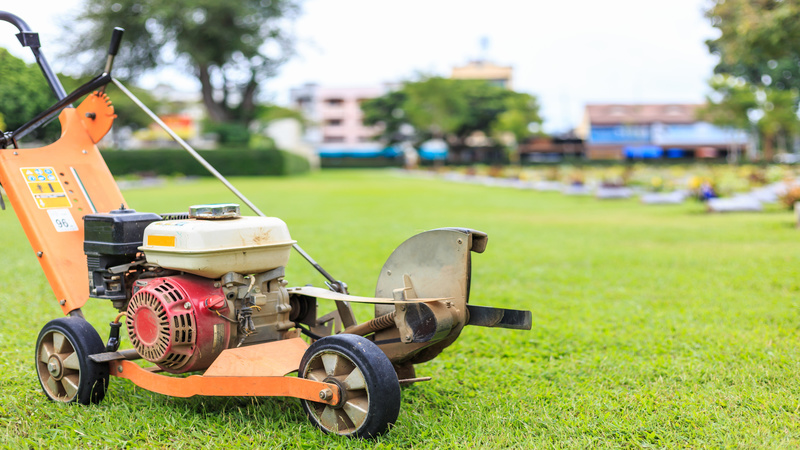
(653, 326)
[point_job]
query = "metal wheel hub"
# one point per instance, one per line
(55, 366)
(342, 391)
(58, 366)
(350, 413)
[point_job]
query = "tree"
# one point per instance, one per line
(760, 44)
(387, 111)
(740, 105)
(779, 118)
(444, 108)
(231, 47)
(759, 41)
(24, 93)
(730, 105)
(521, 111)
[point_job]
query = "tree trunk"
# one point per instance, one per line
(769, 152)
(216, 111)
(248, 100)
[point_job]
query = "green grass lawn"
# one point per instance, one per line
(653, 326)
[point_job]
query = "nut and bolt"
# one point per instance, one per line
(52, 367)
(187, 305)
(325, 394)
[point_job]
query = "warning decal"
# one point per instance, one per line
(46, 188)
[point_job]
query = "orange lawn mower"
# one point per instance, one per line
(203, 294)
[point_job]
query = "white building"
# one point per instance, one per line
(337, 128)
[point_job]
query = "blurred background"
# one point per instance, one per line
(359, 83)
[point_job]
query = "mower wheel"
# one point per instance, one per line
(62, 362)
(370, 392)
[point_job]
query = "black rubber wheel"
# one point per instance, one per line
(65, 371)
(370, 400)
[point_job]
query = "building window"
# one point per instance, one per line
(333, 122)
(333, 139)
(334, 102)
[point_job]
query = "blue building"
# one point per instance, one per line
(654, 131)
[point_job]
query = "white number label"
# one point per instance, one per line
(62, 220)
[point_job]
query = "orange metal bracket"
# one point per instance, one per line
(276, 358)
(70, 180)
(192, 385)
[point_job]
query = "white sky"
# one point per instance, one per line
(567, 52)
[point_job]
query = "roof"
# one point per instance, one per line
(611, 114)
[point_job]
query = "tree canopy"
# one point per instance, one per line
(231, 47)
(24, 93)
(759, 41)
(738, 104)
(444, 108)
(758, 74)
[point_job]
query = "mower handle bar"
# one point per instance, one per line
(31, 39)
(28, 38)
(47, 115)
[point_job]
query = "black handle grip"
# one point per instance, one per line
(116, 38)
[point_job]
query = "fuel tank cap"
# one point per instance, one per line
(214, 211)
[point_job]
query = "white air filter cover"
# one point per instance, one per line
(211, 249)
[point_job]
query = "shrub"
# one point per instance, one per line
(228, 161)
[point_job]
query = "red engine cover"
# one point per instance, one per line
(170, 324)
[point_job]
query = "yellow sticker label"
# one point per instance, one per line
(46, 187)
(161, 241)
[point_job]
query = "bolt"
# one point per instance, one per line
(119, 369)
(388, 272)
(402, 307)
(449, 304)
(187, 305)
(39, 254)
(216, 284)
(84, 152)
(408, 338)
(460, 241)
(62, 302)
(141, 283)
(15, 153)
(325, 394)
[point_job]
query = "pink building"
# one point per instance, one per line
(338, 129)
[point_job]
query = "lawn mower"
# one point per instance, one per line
(203, 295)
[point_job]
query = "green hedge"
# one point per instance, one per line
(228, 161)
(350, 163)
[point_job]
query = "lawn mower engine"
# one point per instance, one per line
(182, 282)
